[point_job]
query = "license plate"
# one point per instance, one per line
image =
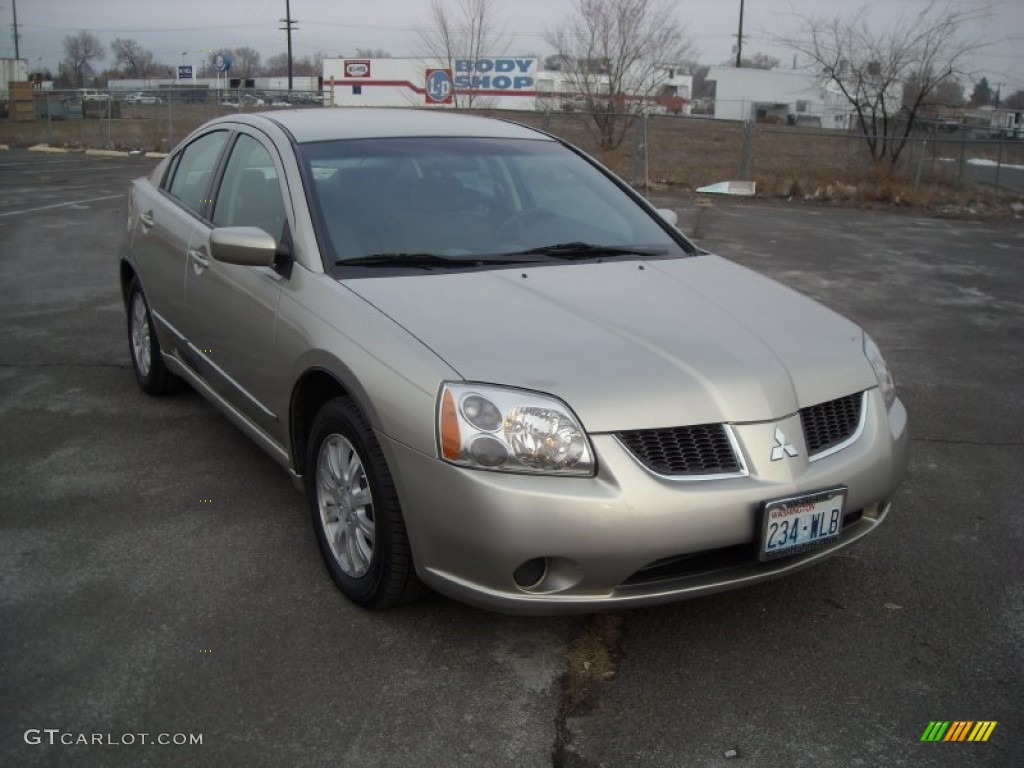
(799, 523)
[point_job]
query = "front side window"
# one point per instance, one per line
(193, 170)
(469, 199)
(250, 193)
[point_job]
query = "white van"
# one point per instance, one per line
(91, 94)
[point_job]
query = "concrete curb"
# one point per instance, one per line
(156, 155)
(106, 153)
(47, 148)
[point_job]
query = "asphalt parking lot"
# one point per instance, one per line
(159, 576)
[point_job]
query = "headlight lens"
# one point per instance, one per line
(511, 430)
(885, 380)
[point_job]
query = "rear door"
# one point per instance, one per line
(167, 220)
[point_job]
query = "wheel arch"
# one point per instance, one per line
(312, 390)
(127, 273)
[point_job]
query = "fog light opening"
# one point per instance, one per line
(530, 574)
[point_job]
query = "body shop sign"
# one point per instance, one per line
(510, 75)
(357, 68)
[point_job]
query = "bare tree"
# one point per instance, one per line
(616, 54)
(132, 58)
(80, 50)
(277, 65)
(761, 61)
(982, 93)
(245, 62)
(372, 53)
(869, 66)
(302, 66)
(467, 32)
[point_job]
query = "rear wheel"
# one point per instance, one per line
(147, 361)
(356, 514)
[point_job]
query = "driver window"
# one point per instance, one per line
(250, 194)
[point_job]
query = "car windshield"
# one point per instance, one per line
(470, 203)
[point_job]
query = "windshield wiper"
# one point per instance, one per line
(581, 250)
(428, 260)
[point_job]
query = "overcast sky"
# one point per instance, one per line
(170, 27)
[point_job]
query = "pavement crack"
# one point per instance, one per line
(591, 661)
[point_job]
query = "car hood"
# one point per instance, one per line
(634, 344)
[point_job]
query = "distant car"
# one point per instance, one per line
(139, 97)
(496, 369)
(89, 94)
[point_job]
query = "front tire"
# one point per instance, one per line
(355, 510)
(147, 360)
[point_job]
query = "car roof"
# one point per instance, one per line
(307, 125)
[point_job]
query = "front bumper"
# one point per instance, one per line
(627, 537)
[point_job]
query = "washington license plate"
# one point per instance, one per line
(799, 523)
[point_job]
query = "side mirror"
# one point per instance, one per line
(669, 216)
(245, 246)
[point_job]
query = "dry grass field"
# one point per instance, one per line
(682, 155)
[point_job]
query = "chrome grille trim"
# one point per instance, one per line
(847, 437)
(740, 466)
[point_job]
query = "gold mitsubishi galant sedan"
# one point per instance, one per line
(495, 369)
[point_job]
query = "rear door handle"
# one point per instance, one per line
(146, 219)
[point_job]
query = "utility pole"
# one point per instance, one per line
(289, 25)
(14, 7)
(739, 40)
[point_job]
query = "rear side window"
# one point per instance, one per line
(193, 170)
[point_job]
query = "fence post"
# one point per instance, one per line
(640, 150)
(963, 150)
(747, 150)
(920, 162)
(999, 162)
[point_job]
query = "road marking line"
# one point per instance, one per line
(61, 205)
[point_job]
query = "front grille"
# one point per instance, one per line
(828, 424)
(699, 450)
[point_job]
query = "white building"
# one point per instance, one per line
(499, 83)
(777, 96)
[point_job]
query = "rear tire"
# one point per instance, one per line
(144, 347)
(355, 510)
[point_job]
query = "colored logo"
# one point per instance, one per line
(439, 86)
(360, 68)
(958, 730)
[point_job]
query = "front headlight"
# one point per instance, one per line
(885, 380)
(510, 430)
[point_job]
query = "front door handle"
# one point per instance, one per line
(199, 259)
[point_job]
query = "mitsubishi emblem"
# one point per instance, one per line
(782, 448)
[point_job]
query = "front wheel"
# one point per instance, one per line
(356, 514)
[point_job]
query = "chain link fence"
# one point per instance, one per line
(659, 152)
